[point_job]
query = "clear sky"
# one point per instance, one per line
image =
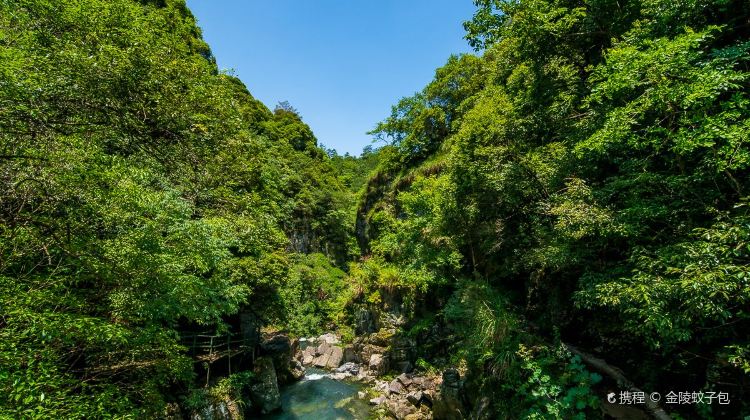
(341, 63)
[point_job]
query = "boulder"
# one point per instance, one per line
(297, 370)
(329, 338)
(428, 397)
(308, 356)
(404, 379)
(335, 356)
(405, 367)
(279, 348)
(264, 393)
(321, 361)
(415, 397)
(395, 387)
(400, 409)
(368, 350)
(377, 401)
(364, 322)
(222, 410)
(322, 348)
(349, 367)
(378, 364)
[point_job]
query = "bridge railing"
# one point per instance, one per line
(210, 348)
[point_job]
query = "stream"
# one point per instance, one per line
(317, 396)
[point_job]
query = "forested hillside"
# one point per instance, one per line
(575, 191)
(143, 192)
(583, 180)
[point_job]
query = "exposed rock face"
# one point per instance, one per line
(264, 393)
(281, 350)
(378, 364)
(350, 355)
(364, 322)
(449, 403)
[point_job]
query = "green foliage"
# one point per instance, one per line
(313, 296)
(588, 173)
(142, 191)
(550, 394)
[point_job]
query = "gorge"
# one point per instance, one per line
(556, 224)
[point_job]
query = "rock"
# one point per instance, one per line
(364, 322)
(377, 364)
(335, 356)
(350, 354)
(280, 349)
(329, 339)
(395, 387)
(308, 355)
(400, 409)
(448, 404)
(369, 349)
(297, 370)
(404, 379)
(382, 338)
(452, 378)
(415, 398)
(428, 397)
(322, 348)
(381, 386)
(339, 376)
(349, 367)
(264, 393)
(307, 359)
(321, 361)
(222, 410)
(377, 401)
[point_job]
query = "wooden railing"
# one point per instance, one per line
(209, 348)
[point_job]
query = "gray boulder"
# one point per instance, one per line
(378, 364)
(264, 393)
(349, 367)
(335, 357)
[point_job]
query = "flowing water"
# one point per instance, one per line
(319, 397)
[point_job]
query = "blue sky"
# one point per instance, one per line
(341, 63)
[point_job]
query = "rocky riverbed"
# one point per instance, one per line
(372, 377)
(368, 360)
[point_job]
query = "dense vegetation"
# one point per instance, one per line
(142, 192)
(582, 179)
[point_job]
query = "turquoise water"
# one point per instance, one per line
(319, 397)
